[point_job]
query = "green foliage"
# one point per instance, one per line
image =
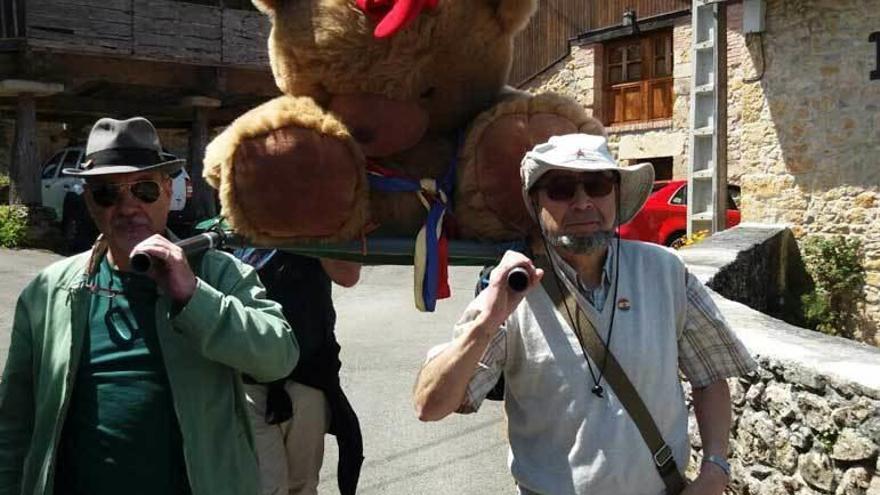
(827, 439)
(835, 264)
(13, 225)
(4, 180)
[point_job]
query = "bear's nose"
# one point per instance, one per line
(428, 93)
(380, 126)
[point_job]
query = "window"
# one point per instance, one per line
(71, 159)
(51, 166)
(639, 78)
(733, 197)
(733, 193)
(680, 197)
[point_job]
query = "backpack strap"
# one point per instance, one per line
(616, 377)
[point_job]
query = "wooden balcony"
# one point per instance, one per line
(203, 33)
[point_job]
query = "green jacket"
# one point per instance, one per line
(226, 329)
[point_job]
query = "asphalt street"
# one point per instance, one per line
(384, 340)
(17, 268)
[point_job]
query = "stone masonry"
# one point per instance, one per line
(807, 134)
(803, 121)
(808, 421)
(799, 432)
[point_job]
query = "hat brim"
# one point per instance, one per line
(636, 183)
(168, 167)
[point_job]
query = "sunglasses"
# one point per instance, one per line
(107, 195)
(563, 187)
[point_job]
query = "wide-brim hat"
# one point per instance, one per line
(123, 147)
(587, 153)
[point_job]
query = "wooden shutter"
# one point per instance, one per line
(639, 76)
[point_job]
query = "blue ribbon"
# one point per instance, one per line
(432, 262)
(393, 184)
(435, 214)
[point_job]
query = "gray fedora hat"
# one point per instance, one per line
(123, 147)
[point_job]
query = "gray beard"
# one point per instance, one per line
(581, 244)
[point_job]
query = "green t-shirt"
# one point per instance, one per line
(121, 433)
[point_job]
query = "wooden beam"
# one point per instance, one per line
(24, 172)
(14, 87)
(201, 102)
(73, 106)
(76, 70)
(203, 194)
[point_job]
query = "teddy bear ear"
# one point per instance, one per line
(514, 15)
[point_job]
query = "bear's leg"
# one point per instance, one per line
(489, 201)
(287, 172)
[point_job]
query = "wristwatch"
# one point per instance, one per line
(718, 461)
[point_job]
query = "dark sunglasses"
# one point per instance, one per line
(107, 195)
(563, 187)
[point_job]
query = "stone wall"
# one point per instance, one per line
(798, 431)
(577, 76)
(808, 421)
(756, 265)
(807, 134)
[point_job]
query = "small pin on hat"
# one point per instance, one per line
(623, 304)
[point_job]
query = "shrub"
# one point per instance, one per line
(835, 264)
(13, 225)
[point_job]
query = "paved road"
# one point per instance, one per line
(17, 268)
(384, 340)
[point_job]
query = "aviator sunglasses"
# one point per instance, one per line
(563, 187)
(107, 195)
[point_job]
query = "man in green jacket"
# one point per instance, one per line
(124, 383)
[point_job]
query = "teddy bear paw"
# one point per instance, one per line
(287, 172)
(490, 201)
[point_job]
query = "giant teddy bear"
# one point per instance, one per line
(378, 91)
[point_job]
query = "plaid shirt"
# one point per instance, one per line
(707, 349)
(594, 295)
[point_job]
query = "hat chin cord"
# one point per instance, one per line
(597, 388)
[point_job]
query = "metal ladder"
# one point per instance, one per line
(707, 160)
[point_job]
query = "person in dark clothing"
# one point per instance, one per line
(290, 416)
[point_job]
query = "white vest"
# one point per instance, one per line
(564, 439)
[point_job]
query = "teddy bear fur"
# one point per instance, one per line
(432, 94)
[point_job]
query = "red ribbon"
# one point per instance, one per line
(443, 290)
(394, 15)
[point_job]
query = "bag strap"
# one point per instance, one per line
(616, 377)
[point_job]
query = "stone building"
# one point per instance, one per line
(803, 111)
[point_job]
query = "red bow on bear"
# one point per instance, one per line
(394, 14)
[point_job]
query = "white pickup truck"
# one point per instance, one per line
(63, 194)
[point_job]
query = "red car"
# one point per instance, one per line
(663, 219)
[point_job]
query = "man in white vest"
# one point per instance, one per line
(599, 314)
